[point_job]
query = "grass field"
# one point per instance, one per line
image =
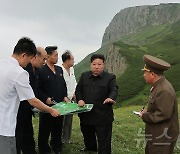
(128, 133)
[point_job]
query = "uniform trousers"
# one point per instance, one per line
(159, 149)
(100, 134)
(49, 125)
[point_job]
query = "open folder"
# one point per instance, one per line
(71, 108)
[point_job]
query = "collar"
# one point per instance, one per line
(157, 82)
(92, 76)
(29, 66)
(14, 60)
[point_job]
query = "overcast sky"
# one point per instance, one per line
(77, 25)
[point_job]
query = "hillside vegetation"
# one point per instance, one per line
(160, 41)
(167, 48)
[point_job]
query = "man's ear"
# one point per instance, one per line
(47, 56)
(23, 55)
(35, 56)
(154, 74)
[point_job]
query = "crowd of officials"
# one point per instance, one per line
(31, 79)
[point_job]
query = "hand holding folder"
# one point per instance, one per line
(71, 108)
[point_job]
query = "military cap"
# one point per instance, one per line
(156, 65)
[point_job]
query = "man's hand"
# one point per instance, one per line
(66, 100)
(49, 101)
(55, 113)
(142, 112)
(109, 100)
(81, 103)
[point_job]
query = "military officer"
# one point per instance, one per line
(161, 115)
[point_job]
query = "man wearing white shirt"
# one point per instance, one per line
(68, 73)
(14, 81)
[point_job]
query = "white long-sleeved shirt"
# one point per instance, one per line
(70, 81)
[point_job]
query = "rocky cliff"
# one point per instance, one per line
(134, 19)
(115, 62)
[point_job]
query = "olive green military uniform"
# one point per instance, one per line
(161, 118)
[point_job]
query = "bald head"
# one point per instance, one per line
(41, 51)
(40, 57)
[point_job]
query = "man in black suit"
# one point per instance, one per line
(52, 86)
(99, 88)
(24, 129)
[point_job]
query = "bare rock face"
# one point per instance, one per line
(115, 63)
(134, 19)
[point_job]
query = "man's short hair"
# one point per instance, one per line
(25, 45)
(50, 49)
(97, 56)
(66, 55)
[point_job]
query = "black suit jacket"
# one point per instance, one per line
(25, 113)
(51, 84)
(94, 90)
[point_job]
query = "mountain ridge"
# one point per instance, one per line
(134, 19)
(124, 57)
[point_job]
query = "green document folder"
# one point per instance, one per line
(71, 108)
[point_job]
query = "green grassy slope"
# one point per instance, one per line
(147, 35)
(127, 137)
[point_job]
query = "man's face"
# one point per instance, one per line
(97, 66)
(25, 59)
(71, 61)
(53, 58)
(41, 59)
(148, 76)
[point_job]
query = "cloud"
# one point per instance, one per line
(77, 25)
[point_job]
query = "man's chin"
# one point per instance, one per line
(96, 73)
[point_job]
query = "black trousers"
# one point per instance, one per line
(49, 125)
(97, 134)
(24, 130)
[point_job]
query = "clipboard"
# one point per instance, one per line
(71, 108)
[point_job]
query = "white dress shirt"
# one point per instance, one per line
(70, 81)
(14, 87)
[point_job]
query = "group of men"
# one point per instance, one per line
(49, 83)
(31, 78)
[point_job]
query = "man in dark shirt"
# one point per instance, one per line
(24, 129)
(99, 88)
(52, 86)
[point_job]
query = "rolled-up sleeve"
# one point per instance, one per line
(23, 87)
